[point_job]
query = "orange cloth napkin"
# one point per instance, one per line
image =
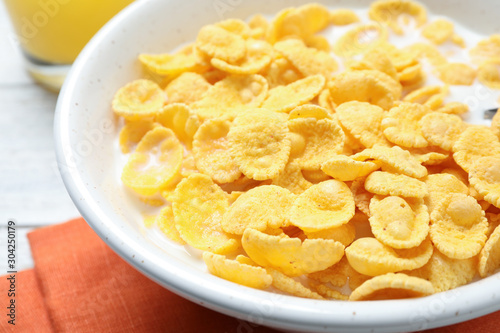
(80, 285)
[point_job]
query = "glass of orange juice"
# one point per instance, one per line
(51, 33)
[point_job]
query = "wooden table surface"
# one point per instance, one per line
(31, 190)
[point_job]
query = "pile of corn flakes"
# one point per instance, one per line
(322, 171)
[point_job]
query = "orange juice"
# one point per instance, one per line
(55, 31)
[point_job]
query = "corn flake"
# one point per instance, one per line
(165, 221)
(394, 159)
(211, 151)
(232, 95)
(259, 143)
(138, 99)
(344, 234)
(455, 73)
(488, 73)
(487, 49)
(401, 125)
(441, 129)
(458, 226)
(392, 286)
(345, 168)
(308, 61)
(187, 88)
(371, 257)
(325, 205)
(258, 56)
(489, 258)
(323, 139)
(292, 179)
(343, 17)
(389, 12)
(485, 178)
(385, 183)
(445, 273)
(260, 208)
(285, 98)
(360, 40)
(399, 223)
(289, 285)
(363, 121)
(291, 256)
(309, 111)
(198, 207)
(155, 162)
(370, 86)
(133, 132)
(475, 142)
(232, 270)
(217, 42)
(439, 31)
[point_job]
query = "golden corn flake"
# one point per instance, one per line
(232, 95)
(291, 256)
(401, 125)
(439, 31)
(430, 155)
(363, 120)
(458, 226)
(431, 96)
(475, 142)
(392, 286)
(378, 59)
(260, 208)
(323, 139)
(389, 12)
(455, 73)
(360, 40)
(445, 273)
(235, 26)
(370, 86)
(259, 143)
(325, 101)
(411, 74)
(344, 234)
(281, 73)
(394, 159)
(292, 179)
(259, 26)
(138, 99)
(211, 151)
(232, 270)
(441, 129)
(438, 185)
(315, 176)
(258, 56)
(485, 178)
(302, 21)
(155, 162)
(345, 168)
(217, 42)
(289, 285)
(325, 205)
(170, 64)
(488, 73)
(385, 183)
(308, 61)
(187, 88)
(371, 257)
(489, 258)
(133, 132)
(165, 221)
(343, 17)
(340, 274)
(327, 291)
(285, 98)
(487, 49)
(179, 117)
(454, 108)
(399, 223)
(198, 207)
(309, 111)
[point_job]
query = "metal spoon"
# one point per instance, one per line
(490, 113)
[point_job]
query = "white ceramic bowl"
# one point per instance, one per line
(86, 132)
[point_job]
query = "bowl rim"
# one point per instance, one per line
(290, 313)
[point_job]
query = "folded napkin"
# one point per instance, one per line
(80, 285)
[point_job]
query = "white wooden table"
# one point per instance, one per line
(31, 190)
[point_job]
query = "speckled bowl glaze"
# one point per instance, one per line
(86, 132)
